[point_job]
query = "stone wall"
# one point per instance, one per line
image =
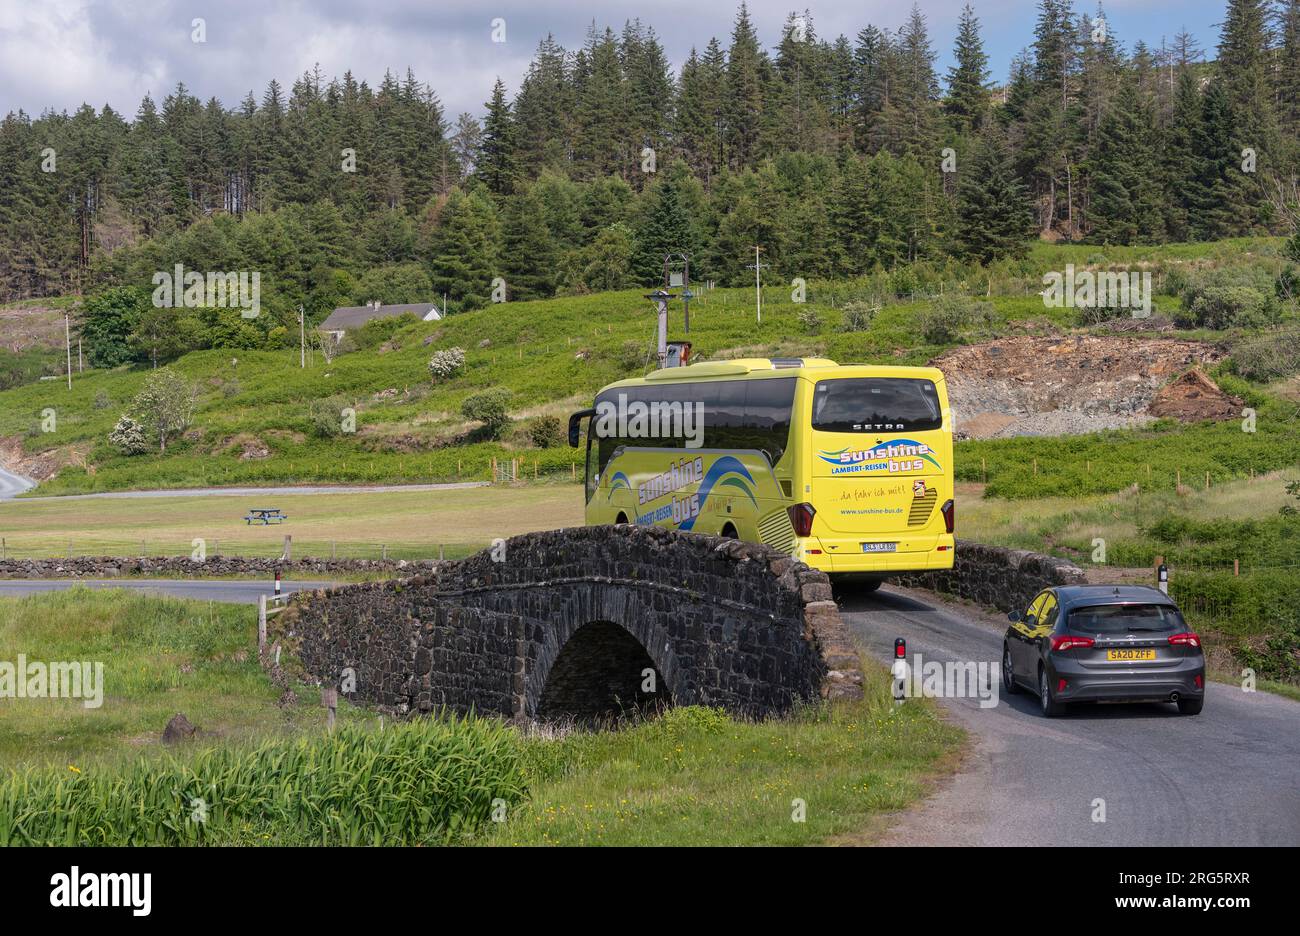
(115, 566)
(719, 622)
(996, 576)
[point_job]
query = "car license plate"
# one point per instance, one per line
(1130, 654)
(879, 547)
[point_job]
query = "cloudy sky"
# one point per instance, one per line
(62, 53)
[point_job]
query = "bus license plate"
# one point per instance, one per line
(1130, 654)
(879, 547)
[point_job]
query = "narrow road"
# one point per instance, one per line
(1229, 776)
(238, 592)
(11, 485)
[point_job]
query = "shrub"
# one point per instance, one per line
(1220, 307)
(447, 363)
(129, 437)
(1268, 356)
(1239, 297)
(943, 320)
(547, 431)
(633, 356)
(810, 320)
(857, 316)
(489, 408)
(326, 416)
(165, 405)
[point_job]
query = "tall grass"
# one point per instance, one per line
(428, 781)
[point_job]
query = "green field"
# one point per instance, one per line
(409, 525)
(268, 774)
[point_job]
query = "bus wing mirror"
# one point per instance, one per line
(575, 426)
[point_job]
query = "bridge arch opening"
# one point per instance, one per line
(602, 672)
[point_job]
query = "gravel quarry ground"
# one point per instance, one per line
(1079, 384)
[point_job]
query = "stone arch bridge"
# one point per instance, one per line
(583, 623)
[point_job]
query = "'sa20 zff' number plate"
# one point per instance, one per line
(1130, 654)
(879, 547)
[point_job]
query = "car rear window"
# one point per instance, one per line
(1124, 619)
(876, 404)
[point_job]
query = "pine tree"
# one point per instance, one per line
(528, 252)
(874, 65)
(1220, 195)
(914, 127)
(993, 218)
(543, 110)
(742, 104)
(1245, 62)
(664, 228)
(1126, 206)
(1288, 73)
(466, 249)
(1179, 170)
(497, 166)
(968, 92)
(603, 144)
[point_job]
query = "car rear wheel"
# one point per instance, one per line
(1008, 676)
(1190, 706)
(1048, 705)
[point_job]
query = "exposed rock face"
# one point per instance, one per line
(1056, 386)
(579, 622)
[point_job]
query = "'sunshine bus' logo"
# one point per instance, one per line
(901, 455)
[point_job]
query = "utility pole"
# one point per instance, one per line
(302, 338)
(758, 284)
(67, 337)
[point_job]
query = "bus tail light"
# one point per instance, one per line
(949, 512)
(801, 518)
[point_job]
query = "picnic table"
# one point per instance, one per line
(264, 516)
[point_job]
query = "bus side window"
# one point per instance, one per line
(767, 415)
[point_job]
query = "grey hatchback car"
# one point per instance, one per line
(1104, 643)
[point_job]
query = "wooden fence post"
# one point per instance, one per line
(330, 699)
(261, 624)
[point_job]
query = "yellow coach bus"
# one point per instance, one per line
(847, 468)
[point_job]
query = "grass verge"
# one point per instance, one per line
(263, 773)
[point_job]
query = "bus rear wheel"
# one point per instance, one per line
(729, 531)
(622, 518)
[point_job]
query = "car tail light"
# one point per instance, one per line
(1060, 686)
(1069, 642)
(1185, 640)
(801, 518)
(1200, 684)
(949, 511)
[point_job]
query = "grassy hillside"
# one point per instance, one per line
(255, 420)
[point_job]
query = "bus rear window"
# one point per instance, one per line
(876, 404)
